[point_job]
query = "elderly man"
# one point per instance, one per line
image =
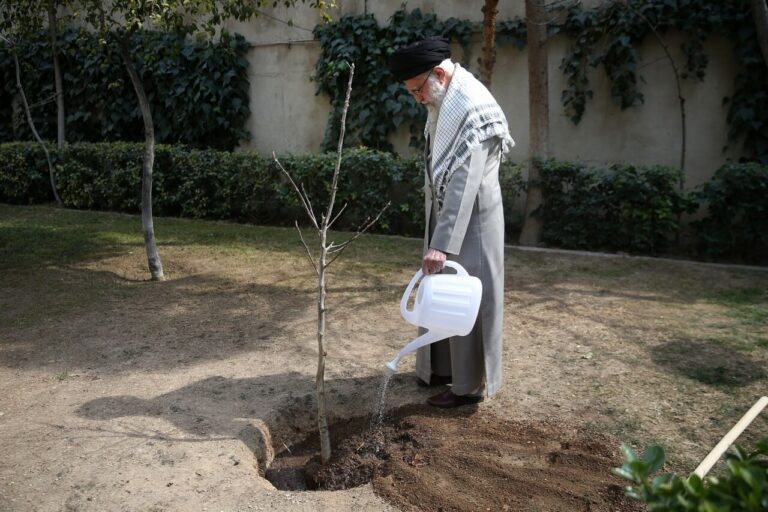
(466, 135)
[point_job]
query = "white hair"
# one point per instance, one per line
(446, 65)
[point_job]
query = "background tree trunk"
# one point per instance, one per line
(31, 122)
(760, 13)
(147, 223)
(488, 58)
(538, 95)
(60, 121)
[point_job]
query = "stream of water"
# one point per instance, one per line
(378, 415)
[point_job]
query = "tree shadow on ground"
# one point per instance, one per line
(34, 247)
(83, 319)
(266, 413)
(55, 236)
(708, 363)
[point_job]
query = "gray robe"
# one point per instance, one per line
(470, 229)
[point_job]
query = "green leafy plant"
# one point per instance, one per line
(736, 224)
(198, 89)
(622, 208)
(743, 487)
(610, 34)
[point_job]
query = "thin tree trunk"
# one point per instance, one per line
(538, 95)
(678, 84)
(326, 250)
(488, 59)
(31, 123)
(683, 129)
(322, 417)
(147, 223)
(60, 119)
(760, 14)
(681, 101)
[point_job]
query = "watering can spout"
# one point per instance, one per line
(424, 339)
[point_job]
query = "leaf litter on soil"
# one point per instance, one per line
(463, 459)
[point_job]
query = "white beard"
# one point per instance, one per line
(436, 94)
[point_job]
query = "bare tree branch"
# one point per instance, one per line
(304, 201)
(309, 253)
(346, 244)
(326, 220)
(337, 215)
(336, 170)
(31, 122)
(309, 203)
(44, 101)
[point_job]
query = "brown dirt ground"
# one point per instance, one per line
(424, 458)
(120, 394)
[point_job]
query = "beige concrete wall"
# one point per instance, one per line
(288, 116)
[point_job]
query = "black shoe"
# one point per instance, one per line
(435, 380)
(447, 399)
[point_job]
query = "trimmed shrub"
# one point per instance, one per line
(24, 174)
(242, 186)
(622, 208)
(736, 226)
(512, 186)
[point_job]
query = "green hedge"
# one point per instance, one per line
(197, 89)
(736, 227)
(622, 208)
(242, 186)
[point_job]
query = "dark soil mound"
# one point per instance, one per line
(430, 459)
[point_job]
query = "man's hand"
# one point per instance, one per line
(433, 262)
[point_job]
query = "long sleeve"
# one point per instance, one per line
(460, 196)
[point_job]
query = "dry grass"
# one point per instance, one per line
(650, 351)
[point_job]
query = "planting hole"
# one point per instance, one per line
(461, 459)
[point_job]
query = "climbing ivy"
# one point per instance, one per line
(198, 89)
(607, 36)
(610, 34)
(379, 104)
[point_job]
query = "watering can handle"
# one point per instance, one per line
(460, 271)
(409, 314)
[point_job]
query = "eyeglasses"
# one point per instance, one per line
(417, 91)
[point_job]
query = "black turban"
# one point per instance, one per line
(418, 57)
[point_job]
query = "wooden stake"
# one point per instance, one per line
(730, 437)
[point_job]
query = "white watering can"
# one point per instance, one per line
(446, 305)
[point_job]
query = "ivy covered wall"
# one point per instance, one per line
(618, 72)
(636, 121)
(623, 94)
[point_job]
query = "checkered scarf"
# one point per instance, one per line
(468, 116)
